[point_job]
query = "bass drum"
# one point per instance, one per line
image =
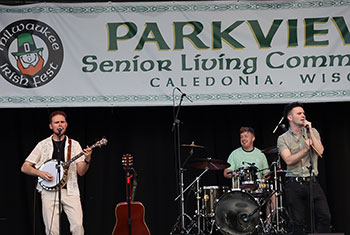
(237, 212)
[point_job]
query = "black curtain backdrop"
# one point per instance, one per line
(145, 132)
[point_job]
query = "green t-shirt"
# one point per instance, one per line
(240, 158)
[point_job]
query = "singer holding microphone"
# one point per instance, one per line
(297, 146)
(58, 146)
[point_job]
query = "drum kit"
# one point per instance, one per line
(250, 206)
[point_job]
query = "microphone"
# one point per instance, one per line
(283, 126)
(273, 132)
(307, 127)
(184, 94)
(60, 129)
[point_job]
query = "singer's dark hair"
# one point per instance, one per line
(58, 112)
(246, 129)
(291, 106)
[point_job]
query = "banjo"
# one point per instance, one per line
(52, 165)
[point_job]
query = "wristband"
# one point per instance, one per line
(86, 161)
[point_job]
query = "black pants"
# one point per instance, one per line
(298, 198)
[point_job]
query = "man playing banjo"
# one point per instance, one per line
(51, 152)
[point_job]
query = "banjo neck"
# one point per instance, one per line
(67, 163)
(100, 143)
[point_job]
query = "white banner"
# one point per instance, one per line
(136, 54)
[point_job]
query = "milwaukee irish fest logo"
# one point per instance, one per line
(31, 53)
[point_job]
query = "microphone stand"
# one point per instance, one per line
(128, 198)
(312, 178)
(176, 130)
(58, 167)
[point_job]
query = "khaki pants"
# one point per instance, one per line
(71, 206)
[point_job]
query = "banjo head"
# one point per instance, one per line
(51, 167)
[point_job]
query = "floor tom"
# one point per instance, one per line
(210, 195)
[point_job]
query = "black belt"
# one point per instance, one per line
(299, 179)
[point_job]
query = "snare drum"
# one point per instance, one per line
(210, 195)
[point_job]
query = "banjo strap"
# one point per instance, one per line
(69, 149)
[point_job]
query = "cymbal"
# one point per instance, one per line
(192, 145)
(272, 149)
(210, 163)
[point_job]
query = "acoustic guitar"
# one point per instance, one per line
(130, 215)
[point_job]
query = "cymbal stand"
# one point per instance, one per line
(236, 175)
(277, 193)
(198, 198)
(197, 215)
(181, 217)
(278, 190)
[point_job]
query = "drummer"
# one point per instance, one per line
(247, 156)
